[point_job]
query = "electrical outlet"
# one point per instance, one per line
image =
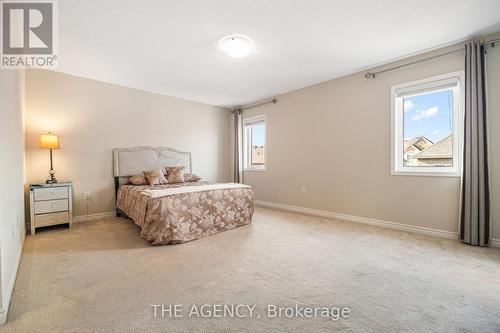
(86, 195)
(302, 190)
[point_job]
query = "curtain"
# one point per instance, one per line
(238, 154)
(475, 197)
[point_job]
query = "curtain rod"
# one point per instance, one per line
(372, 75)
(273, 100)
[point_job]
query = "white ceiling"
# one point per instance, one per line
(170, 47)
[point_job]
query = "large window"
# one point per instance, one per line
(254, 143)
(427, 126)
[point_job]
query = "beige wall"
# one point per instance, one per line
(91, 118)
(342, 130)
(11, 191)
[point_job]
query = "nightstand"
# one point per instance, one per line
(51, 204)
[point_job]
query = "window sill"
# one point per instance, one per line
(252, 170)
(451, 174)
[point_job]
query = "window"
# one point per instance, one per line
(254, 143)
(427, 126)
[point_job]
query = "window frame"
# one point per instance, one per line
(397, 127)
(246, 144)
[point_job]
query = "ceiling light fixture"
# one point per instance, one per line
(236, 46)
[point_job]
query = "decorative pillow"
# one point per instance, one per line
(155, 177)
(191, 177)
(138, 180)
(175, 174)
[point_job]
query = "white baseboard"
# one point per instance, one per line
(92, 217)
(495, 243)
(10, 287)
(363, 220)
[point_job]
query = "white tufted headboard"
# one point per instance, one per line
(133, 161)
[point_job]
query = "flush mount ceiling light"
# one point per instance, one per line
(236, 46)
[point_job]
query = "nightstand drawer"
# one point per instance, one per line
(51, 206)
(51, 219)
(51, 193)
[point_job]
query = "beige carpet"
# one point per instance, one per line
(101, 277)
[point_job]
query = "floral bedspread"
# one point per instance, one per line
(169, 215)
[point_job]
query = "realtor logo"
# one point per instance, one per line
(28, 34)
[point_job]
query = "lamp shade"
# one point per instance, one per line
(49, 141)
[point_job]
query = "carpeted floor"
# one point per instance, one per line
(101, 277)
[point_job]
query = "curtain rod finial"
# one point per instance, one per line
(370, 75)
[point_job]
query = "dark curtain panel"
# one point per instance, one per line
(475, 195)
(238, 157)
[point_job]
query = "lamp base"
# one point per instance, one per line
(52, 179)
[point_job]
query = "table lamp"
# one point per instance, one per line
(50, 141)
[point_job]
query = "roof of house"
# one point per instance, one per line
(421, 142)
(442, 149)
(409, 147)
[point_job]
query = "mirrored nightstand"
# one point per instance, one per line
(51, 204)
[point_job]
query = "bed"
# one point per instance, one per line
(176, 213)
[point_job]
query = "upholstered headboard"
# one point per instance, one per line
(133, 161)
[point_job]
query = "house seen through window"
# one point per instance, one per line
(254, 143)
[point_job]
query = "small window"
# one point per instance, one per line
(427, 126)
(254, 143)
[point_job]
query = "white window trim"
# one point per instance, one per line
(397, 167)
(246, 151)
